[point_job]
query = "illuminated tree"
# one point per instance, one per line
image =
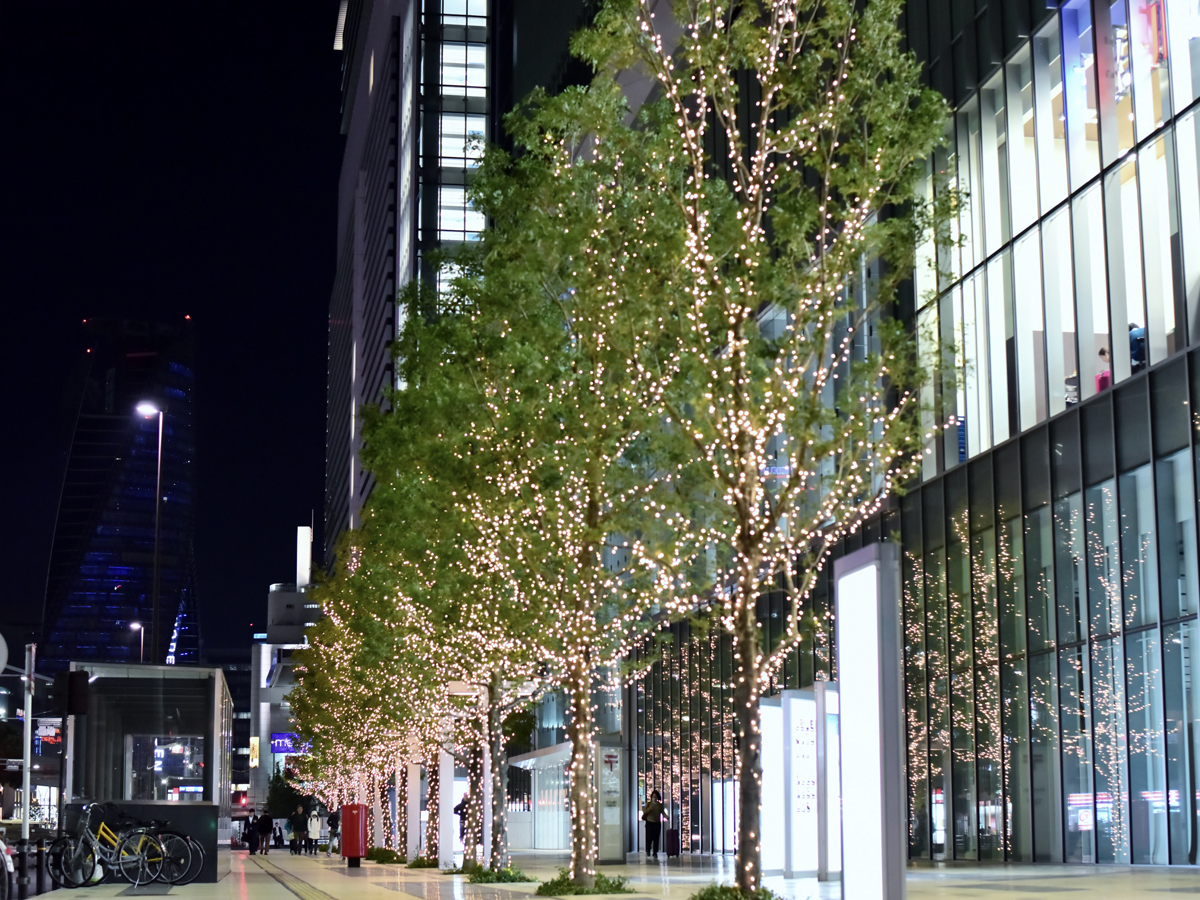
(796, 134)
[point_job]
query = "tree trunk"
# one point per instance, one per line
(749, 749)
(498, 760)
(582, 776)
(402, 808)
(473, 829)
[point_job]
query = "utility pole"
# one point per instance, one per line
(30, 655)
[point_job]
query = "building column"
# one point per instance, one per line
(413, 800)
(445, 810)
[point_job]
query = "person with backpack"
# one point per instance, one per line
(652, 815)
(333, 823)
(265, 826)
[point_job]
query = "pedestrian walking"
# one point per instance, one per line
(314, 832)
(298, 823)
(278, 836)
(252, 834)
(334, 821)
(652, 815)
(265, 826)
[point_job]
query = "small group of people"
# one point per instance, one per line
(261, 833)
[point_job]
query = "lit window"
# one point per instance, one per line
(461, 136)
(464, 70)
(471, 13)
(457, 221)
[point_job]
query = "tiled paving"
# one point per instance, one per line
(284, 877)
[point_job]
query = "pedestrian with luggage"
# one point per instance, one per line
(652, 815)
(265, 827)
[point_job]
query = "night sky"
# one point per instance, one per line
(156, 160)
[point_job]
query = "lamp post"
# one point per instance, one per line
(148, 410)
(137, 626)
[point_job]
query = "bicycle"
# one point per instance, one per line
(89, 857)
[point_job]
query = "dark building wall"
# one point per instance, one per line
(100, 576)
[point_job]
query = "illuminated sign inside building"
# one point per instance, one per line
(254, 751)
(287, 744)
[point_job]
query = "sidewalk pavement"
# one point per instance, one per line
(285, 877)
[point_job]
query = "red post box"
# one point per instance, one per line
(354, 833)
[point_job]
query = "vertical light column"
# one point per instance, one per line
(829, 794)
(413, 799)
(487, 804)
(445, 810)
(870, 688)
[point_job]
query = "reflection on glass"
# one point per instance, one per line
(945, 164)
(1139, 556)
(1160, 234)
(1015, 695)
(1022, 148)
(1043, 758)
(464, 70)
(1039, 576)
(1177, 536)
(1181, 650)
(1147, 777)
(1070, 589)
(1062, 373)
(987, 700)
(1091, 293)
(996, 222)
(974, 373)
(1148, 46)
(928, 348)
(1030, 329)
(1125, 269)
(1104, 580)
(961, 698)
(1076, 755)
(939, 697)
(914, 700)
(1116, 79)
(1081, 103)
(971, 181)
(455, 134)
(1111, 768)
(1051, 116)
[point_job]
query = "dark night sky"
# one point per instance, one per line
(161, 159)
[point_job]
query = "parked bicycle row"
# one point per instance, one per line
(112, 844)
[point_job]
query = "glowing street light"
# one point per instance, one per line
(148, 409)
(137, 626)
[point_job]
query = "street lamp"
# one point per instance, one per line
(149, 410)
(137, 626)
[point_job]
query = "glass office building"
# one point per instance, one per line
(1050, 549)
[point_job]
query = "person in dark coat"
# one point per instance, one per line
(298, 822)
(265, 826)
(334, 822)
(652, 815)
(252, 834)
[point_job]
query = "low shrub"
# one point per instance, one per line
(423, 862)
(469, 867)
(730, 892)
(507, 875)
(563, 886)
(385, 855)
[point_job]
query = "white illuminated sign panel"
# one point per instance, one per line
(870, 701)
(774, 790)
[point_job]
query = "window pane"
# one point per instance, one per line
(974, 348)
(1147, 777)
(1104, 579)
(1022, 150)
(1139, 556)
(1062, 373)
(1091, 293)
(464, 70)
(1039, 576)
(1186, 132)
(995, 164)
(1016, 762)
(971, 181)
(914, 682)
(1183, 25)
(945, 164)
(1148, 43)
(1111, 768)
(1181, 649)
(1044, 760)
(1081, 103)
(1001, 349)
(1031, 357)
(928, 348)
(1125, 270)
(1160, 234)
(1116, 80)
(457, 221)
(987, 700)
(1177, 536)
(962, 695)
(1076, 754)
(1051, 116)
(1070, 588)
(939, 698)
(457, 132)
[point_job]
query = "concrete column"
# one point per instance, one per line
(487, 805)
(445, 810)
(413, 838)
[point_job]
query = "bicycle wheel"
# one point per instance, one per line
(177, 856)
(59, 847)
(197, 866)
(79, 865)
(139, 858)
